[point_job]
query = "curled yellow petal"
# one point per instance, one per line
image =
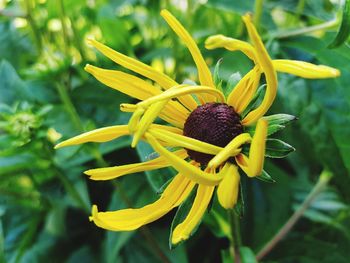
(200, 204)
(228, 189)
(175, 93)
(230, 150)
(305, 69)
(188, 170)
(253, 165)
(221, 41)
(179, 140)
(245, 89)
(263, 59)
(150, 115)
(109, 173)
(205, 77)
(130, 219)
(99, 135)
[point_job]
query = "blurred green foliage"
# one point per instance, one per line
(45, 94)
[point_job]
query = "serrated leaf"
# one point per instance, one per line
(344, 29)
(265, 177)
(277, 149)
(181, 214)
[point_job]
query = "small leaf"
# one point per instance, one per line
(180, 216)
(256, 100)
(217, 79)
(232, 82)
(278, 122)
(247, 255)
(277, 149)
(239, 207)
(265, 177)
(344, 29)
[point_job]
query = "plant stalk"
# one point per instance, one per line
(235, 239)
(305, 30)
(286, 228)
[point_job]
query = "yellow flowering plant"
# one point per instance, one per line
(207, 130)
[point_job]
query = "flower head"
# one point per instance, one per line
(207, 129)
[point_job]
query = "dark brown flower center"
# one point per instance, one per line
(214, 123)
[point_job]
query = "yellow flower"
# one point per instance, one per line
(208, 132)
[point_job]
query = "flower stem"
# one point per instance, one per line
(319, 186)
(33, 25)
(305, 30)
(235, 239)
(62, 15)
(258, 9)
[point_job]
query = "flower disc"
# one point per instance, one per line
(214, 123)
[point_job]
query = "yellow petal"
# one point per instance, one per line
(136, 88)
(123, 82)
(305, 69)
(99, 135)
(228, 189)
(200, 204)
(188, 170)
(176, 93)
(257, 148)
(134, 65)
(253, 165)
(147, 119)
(130, 219)
(243, 162)
(203, 70)
(230, 150)
(179, 140)
(118, 171)
(221, 41)
(244, 91)
(142, 69)
(263, 59)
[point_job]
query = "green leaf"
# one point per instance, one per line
(256, 100)
(232, 82)
(278, 122)
(265, 177)
(12, 88)
(277, 149)
(181, 214)
(217, 78)
(344, 29)
(247, 255)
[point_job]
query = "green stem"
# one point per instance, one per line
(306, 30)
(71, 190)
(299, 9)
(319, 186)
(33, 26)
(258, 9)
(78, 42)
(68, 105)
(62, 15)
(235, 239)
